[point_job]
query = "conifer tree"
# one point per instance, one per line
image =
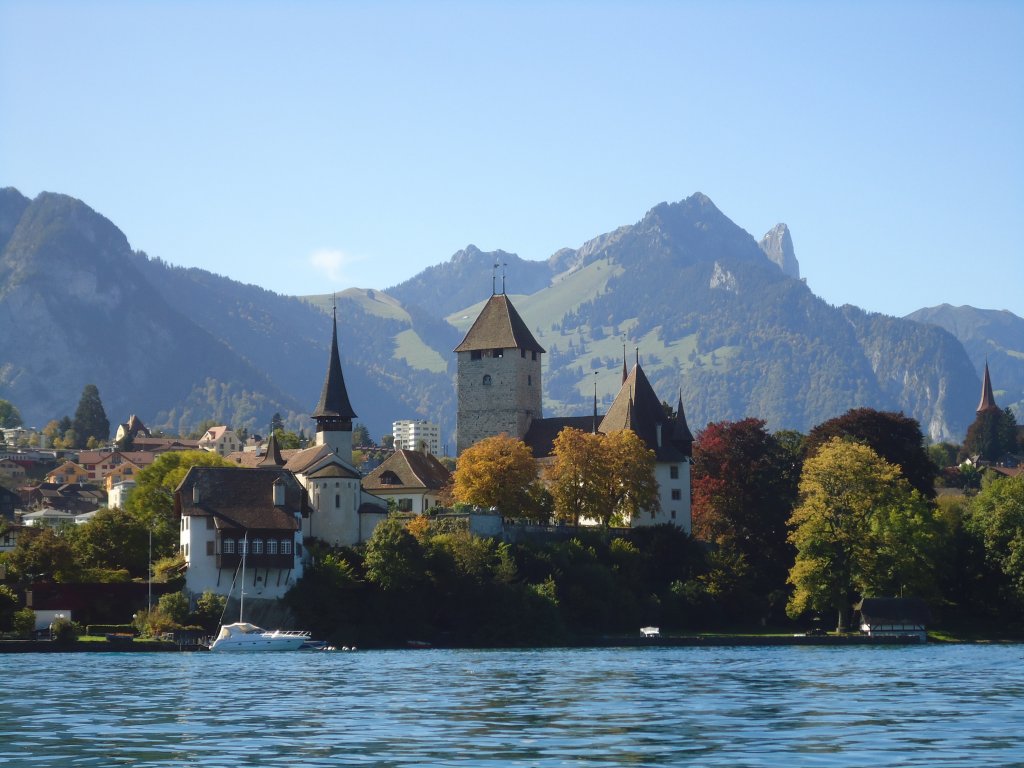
(90, 418)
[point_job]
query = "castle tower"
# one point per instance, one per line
(334, 413)
(498, 382)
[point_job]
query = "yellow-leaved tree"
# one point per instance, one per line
(496, 472)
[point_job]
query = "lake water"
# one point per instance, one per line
(908, 706)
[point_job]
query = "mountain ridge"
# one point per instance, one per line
(712, 310)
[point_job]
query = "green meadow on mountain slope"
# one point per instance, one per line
(711, 311)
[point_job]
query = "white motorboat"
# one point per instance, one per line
(242, 636)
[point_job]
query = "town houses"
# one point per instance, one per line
(270, 505)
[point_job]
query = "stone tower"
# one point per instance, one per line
(498, 381)
(334, 412)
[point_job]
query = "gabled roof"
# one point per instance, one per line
(241, 498)
(413, 469)
(499, 326)
(311, 460)
(334, 403)
(213, 434)
(988, 399)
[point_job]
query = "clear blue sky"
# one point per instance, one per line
(312, 146)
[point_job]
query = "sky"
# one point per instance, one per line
(309, 147)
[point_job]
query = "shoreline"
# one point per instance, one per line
(682, 641)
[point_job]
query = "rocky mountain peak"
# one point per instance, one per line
(778, 247)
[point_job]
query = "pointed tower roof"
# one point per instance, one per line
(499, 326)
(680, 429)
(334, 403)
(273, 455)
(988, 400)
(636, 407)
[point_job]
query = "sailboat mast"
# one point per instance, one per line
(241, 595)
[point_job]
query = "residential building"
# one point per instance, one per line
(11, 470)
(224, 512)
(413, 480)
(68, 472)
(221, 440)
(415, 434)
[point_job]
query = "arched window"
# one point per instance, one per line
(487, 379)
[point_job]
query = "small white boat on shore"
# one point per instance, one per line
(242, 636)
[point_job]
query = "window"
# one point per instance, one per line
(673, 471)
(209, 523)
(497, 353)
(534, 355)
(257, 546)
(243, 547)
(209, 548)
(298, 550)
(389, 478)
(475, 354)
(487, 379)
(186, 549)
(228, 546)
(286, 547)
(405, 505)
(673, 514)
(337, 501)
(271, 546)
(676, 494)
(529, 381)
(522, 353)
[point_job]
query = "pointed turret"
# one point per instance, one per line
(273, 455)
(681, 435)
(334, 412)
(988, 400)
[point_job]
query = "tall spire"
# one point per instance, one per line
(625, 373)
(595, 402)
(988, 400)
(273, 456)
(334, 411)
(681, 434)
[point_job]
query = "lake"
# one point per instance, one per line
(950, 705)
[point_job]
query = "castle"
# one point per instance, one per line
(499, 391)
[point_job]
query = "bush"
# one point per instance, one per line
(8, 606)
(64, 631)
(24, 622)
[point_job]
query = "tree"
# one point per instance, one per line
(286, 440)
(991, 435)
(42, 553)
(744, 484)
(496, 472)
(629, 483)
(152, 501)
(893, 436)
(608, 478)
(9, 415)
(942, 455)
(394, 559)
(276, 422)
(860, 527)
(113, 539)
(997, 517)
(361, 435)
(90, 418)
(574, 476)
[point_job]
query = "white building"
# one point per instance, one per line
(227, 511)
(221, 440)
(412, 434)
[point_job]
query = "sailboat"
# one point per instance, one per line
(243, 636)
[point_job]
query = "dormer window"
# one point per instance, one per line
(389, 478)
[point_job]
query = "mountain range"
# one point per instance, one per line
(709, 311)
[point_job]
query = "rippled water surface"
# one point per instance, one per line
(927, 706)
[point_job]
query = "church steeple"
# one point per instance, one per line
(334, 412)
(988, 400)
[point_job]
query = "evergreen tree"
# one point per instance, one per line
(993, 434)
(90, 418)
